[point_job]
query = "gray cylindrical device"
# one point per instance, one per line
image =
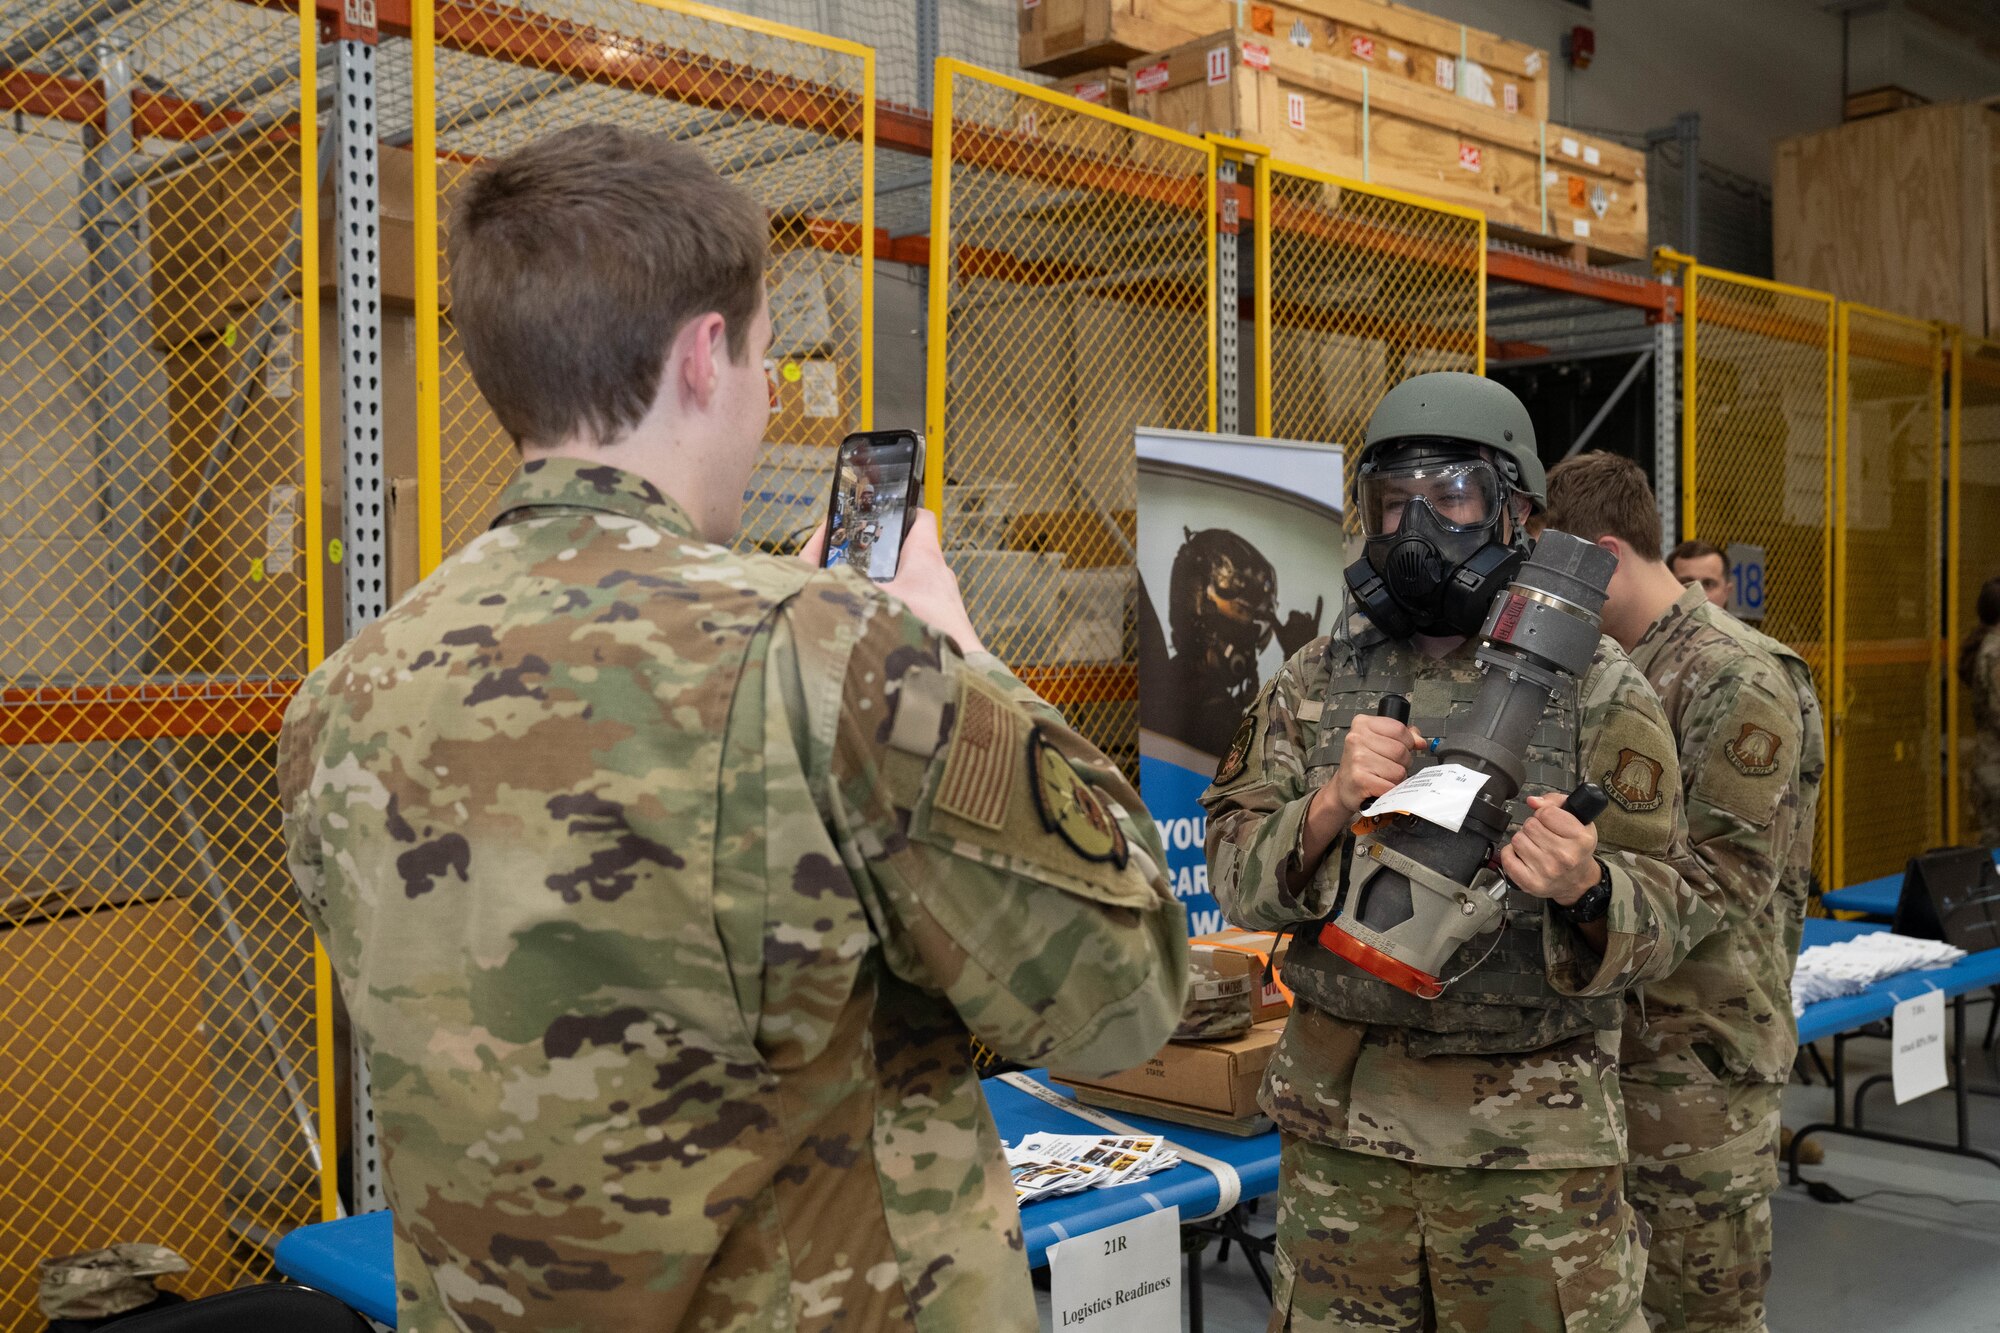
(1418, 891)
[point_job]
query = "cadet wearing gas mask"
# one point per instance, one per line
(1454, 1161)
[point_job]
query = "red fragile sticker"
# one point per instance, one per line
(1256, 56)
(1218, 66)
(1295, 110)
(1362, 45)
(1468, 156)
(1090, 90)
(1152, 78)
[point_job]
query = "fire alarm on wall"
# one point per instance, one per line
(1579, 45)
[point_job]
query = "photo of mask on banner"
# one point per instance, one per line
(1240, 559)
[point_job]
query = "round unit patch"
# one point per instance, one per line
(1069, 808)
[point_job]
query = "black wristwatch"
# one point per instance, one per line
(1595, 902)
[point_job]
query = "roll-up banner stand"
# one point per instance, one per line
(1240, 558)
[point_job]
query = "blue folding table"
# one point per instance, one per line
(353, 1258)
(1874, 898)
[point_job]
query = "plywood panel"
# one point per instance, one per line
(1877, 211)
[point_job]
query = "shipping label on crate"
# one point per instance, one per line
(1475, 84)
(1591, 157)
(1600, 200)
(1028, 124)
(1363, 46)
(1295, 111)
(1256, 56)
(1510, 98)
(1533, 64)
(1567, 146)
(1031, 4)
(1218, 65)
(1301, 35)
(1470, 156)
(1581, 228)
(1091, 90)
(1447, 74)
(1579, 193)
(1152, 78)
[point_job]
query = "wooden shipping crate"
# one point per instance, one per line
(1067, 37)
(1899, 211)
(1539, 180)
(1107, 87)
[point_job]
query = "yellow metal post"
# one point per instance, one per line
(867, 348)
(1261, 302)
(1690, 409)
(424, 228)
(1837, 646)
(940, 279)
(1954, 556)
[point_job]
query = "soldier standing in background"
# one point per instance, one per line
(1453, 1163)
(1979, 672)
(1703, 565)
(665, 883)
(1708, 1052)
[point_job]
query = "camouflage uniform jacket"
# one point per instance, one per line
(1359, 1087)
(1752, 752)
(1708, 1050)
(663, 884)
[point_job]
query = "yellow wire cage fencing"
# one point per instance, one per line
(788, 115)
(1758, 461)
(1072, 299)
(1357, 289)
(1889, 613)
(159, 508)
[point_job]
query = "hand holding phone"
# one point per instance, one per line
(878, 483)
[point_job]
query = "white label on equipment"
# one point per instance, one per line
(1447, 73)
(1591, 156)
(281, 521)
(1151, 78)
(1441, 793)
(1581, 227)
(1746, 580)
(1295, 110)
(1123, 1279)
(1569, 147)
(1917, 1032)
(819, 384)
(1218, 66)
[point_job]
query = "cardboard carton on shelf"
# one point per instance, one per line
(1256, 949)
(1545, 183)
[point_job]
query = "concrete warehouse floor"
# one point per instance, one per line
(1928, 1264)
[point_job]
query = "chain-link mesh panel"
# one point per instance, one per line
(1759, 450)
(157, 1058)
(1891, 624)
(1977, 534)
(787, 115)
(1073, 301)
(1358, 289)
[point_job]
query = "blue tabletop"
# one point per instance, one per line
(1973, 972)
(1825, 930)
(352, 1259)
(1877, 897)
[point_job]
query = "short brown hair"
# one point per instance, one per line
(1693, 549)
(1603, 495)
(576, 260)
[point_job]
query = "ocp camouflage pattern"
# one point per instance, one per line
(1984, 775)
(630, 856)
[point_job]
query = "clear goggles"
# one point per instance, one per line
(1463, 494)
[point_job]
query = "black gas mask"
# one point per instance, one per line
(1435, 558)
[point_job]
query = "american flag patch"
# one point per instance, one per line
(980, 765)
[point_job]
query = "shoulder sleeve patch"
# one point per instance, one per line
(1070, 809)
(979, 764)
(1747, 765)
(1238, 758)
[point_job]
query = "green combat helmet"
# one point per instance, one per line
(1443, 456)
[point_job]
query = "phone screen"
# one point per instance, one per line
(874, 478)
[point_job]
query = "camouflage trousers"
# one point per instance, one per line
(1372, 1243)
(1704, 1164)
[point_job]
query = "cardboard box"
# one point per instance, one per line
(1255, 947)
(1124, 1103)
(1068, 37)
(1540, 179)
(1220, 1076)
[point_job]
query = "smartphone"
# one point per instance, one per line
(878, 486)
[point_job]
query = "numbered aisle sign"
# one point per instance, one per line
(1746, 581)
(1123, 1279)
